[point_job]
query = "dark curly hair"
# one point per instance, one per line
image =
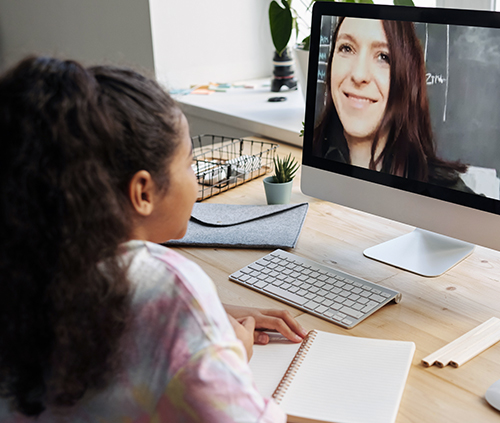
(71, 138)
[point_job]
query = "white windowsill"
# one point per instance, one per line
(247, 110)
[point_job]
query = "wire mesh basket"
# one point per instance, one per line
(221, 163)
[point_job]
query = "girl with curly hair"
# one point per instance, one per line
(98, 322)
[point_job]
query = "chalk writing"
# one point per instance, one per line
(434, 79)
(321, 74)
(324, 39)
(322, 57)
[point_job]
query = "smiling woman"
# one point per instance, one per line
(360, 78)
(376, 112)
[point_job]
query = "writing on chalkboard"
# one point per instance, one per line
(323, 57)
(324, 40)
(321, 75)
(435, 79)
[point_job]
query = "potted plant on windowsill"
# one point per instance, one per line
(278, 188)
(283, 20)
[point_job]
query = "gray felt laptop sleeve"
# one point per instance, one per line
(244, 226)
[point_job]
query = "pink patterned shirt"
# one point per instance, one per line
(184, 362)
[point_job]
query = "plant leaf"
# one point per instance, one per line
(281, 23)
(404, 3)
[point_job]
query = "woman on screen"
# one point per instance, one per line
(376, 114)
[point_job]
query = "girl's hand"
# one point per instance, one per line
(244, 329)
(271, 319)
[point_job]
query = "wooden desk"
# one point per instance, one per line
(432, 313)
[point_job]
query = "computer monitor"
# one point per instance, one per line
(403, 121)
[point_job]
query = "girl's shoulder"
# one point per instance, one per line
(160, 275)
(150, 264)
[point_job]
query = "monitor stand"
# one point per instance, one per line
(422, 252)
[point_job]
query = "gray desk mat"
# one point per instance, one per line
(244, 226)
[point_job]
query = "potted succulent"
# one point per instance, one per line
(279, 187)
(283, 20)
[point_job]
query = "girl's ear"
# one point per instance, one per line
(141, 190)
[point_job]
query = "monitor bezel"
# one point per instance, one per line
(401, 13)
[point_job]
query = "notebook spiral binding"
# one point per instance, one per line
(290, 373)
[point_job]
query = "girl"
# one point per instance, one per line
(98, 323)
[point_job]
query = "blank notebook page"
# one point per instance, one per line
(270, 362)
(350, 379)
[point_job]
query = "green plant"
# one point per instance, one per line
(285, 168)
(283, 20)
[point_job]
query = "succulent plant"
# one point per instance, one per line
(285, 168)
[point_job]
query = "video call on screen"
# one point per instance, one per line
(462, 73)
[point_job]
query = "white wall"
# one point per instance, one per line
(92, 31)
(196, 41)
(467, 4)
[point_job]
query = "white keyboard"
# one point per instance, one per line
(338, 297)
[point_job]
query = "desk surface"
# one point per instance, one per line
(432, 313)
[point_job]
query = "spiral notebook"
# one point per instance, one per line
(334, 378)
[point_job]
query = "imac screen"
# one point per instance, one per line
(407, 98)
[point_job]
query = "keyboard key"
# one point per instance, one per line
(367, 308)
(311, 305)
(261, 284)
(285, 294)
(351, 312)
(377, 298)
(321, 309)
(256, 266)
(348, 303)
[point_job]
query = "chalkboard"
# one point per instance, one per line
(463, 87)
(463, 76)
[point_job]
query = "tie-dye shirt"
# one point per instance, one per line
(183, 360)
